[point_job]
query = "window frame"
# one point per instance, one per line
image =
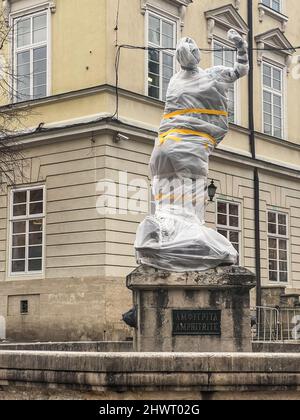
(169, 19)
(229, 228)
(26, 218)
(278, 238)
(236, 85)
(273, 92)
(270, 6)
(14, 17)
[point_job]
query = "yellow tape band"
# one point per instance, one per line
(196, 111)
(173, 197)
(168, 135)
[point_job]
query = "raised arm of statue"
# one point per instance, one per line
(241, 67)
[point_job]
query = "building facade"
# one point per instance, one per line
(68, 224)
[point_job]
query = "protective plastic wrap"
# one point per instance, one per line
(175, 237)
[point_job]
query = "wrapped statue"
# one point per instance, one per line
(195, 122)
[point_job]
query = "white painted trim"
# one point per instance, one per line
(22, 10)
(11, 219)
(280, 6)
(283, 94)
(146, 36)
(49, 52)
(217, 16)
(285, 103)
(39, 9)
(237, 85)
(239, 229)
(162, 12)
(280, 237)
(271, 10)
(161, 16)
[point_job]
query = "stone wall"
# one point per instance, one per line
(79, 346)
(279, 347)
(65, 309)
(127, 346)
(52, 375)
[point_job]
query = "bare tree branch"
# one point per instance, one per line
(12, 115)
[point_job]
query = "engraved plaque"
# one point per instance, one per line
(197, 322)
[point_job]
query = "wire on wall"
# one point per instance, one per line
(135, 47)
(117, 23)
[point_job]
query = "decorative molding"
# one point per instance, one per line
(289, 62)
(52, 6)
(237, 4)
(226, 17)
(275, 38)
(260, 54)
(181, 5)
(211, 23)
(143, 6)
(265, 10)
(182, 14)
(6, 10)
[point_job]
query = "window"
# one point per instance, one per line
(31, 56)
(24, 309)
(228, 222)
(161, 64)
(278, 246)
(226, 58)
(273, 100)
(27, 228)
(273, 4)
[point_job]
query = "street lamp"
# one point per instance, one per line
(212, 189)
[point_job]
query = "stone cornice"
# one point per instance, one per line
(227, 17)
(107, 125)
(274, 38)
(177, 3)
(181, 2)
(7, 6)
(181, 5)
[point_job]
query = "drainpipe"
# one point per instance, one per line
(253, 153)
(257, 236)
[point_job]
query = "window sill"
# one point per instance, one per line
(274, 285)
(25, 277)
(177, 3)
(265, 10)
(181, 2)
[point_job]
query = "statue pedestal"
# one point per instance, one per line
(192, 312)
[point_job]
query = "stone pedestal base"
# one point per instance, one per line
(192, 312)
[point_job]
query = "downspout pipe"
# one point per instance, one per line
(256, 179)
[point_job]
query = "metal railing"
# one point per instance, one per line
(275, 325)
(290, 324)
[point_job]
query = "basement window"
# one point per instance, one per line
(24, 308)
